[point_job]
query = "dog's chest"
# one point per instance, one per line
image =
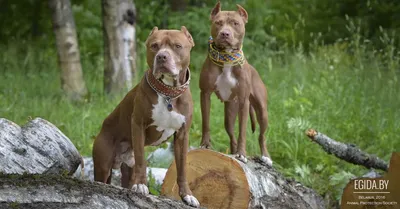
(165, 121)
(225, 82)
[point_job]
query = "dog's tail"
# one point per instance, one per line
(252, 118)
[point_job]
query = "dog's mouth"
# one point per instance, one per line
(164, 70)
(164, 76)
(226, 45)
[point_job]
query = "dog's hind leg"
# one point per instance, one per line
(109, 177)
(231, 112)
(126, 175)
(103, 157)
(262, 118)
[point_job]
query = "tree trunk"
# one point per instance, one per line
(38, 147)
(178, 5)
(51, 191)
(72, 81)
(119, 17)
(221, 181)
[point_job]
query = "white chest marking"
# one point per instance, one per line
(166, 121)
(225, 82)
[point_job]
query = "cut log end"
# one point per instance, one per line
(215, 180)
(221, 181)
(311, 133)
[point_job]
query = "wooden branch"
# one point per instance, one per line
(55, 191)
(347, 152)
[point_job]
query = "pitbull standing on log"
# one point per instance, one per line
(234, 81)
(158, 107)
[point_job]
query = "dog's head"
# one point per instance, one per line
(168, 53)
(228, 27)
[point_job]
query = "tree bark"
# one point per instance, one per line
(72, 81)
(119, 20)
(38, 147)
(53, 191)
(178, 5)
(348, 152)
(220, 181)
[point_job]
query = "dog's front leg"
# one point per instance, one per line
(139, 181)
(181, 143)
(205, 100)
(231, 110)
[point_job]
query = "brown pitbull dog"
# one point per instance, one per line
(158, 107)
(235, 82)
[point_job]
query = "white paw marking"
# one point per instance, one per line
(241, 158)
(266, 160)
(140, 188)
(225, 82)
(191, 200)
(166, 121)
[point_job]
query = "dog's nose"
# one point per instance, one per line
(162, 56)
(225, 34)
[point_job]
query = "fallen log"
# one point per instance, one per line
(348, 152)
(220, 181)
(36, 147)
(55, 191)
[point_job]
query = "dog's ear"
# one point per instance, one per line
(155, 29)
(151, 32)
(215, 10)
(243, 13)
(187, 34)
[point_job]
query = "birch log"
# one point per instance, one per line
(220, 181)
(72, 81)
(54, 191)
(37, 147)
(347, 152)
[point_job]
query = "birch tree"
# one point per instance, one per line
(119, 17)
(72, 81)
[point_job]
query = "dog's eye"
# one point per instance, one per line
(154, 46)
(178, 46)
(235, 23)
(218, 23)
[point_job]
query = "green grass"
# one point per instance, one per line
(352, 97)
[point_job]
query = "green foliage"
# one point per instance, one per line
(293, 22)
(88, 22)
(154, 188)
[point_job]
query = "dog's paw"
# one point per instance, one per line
(266, 160)
(191, 201)
(140, 189)
(205, 146)
(241, 158)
